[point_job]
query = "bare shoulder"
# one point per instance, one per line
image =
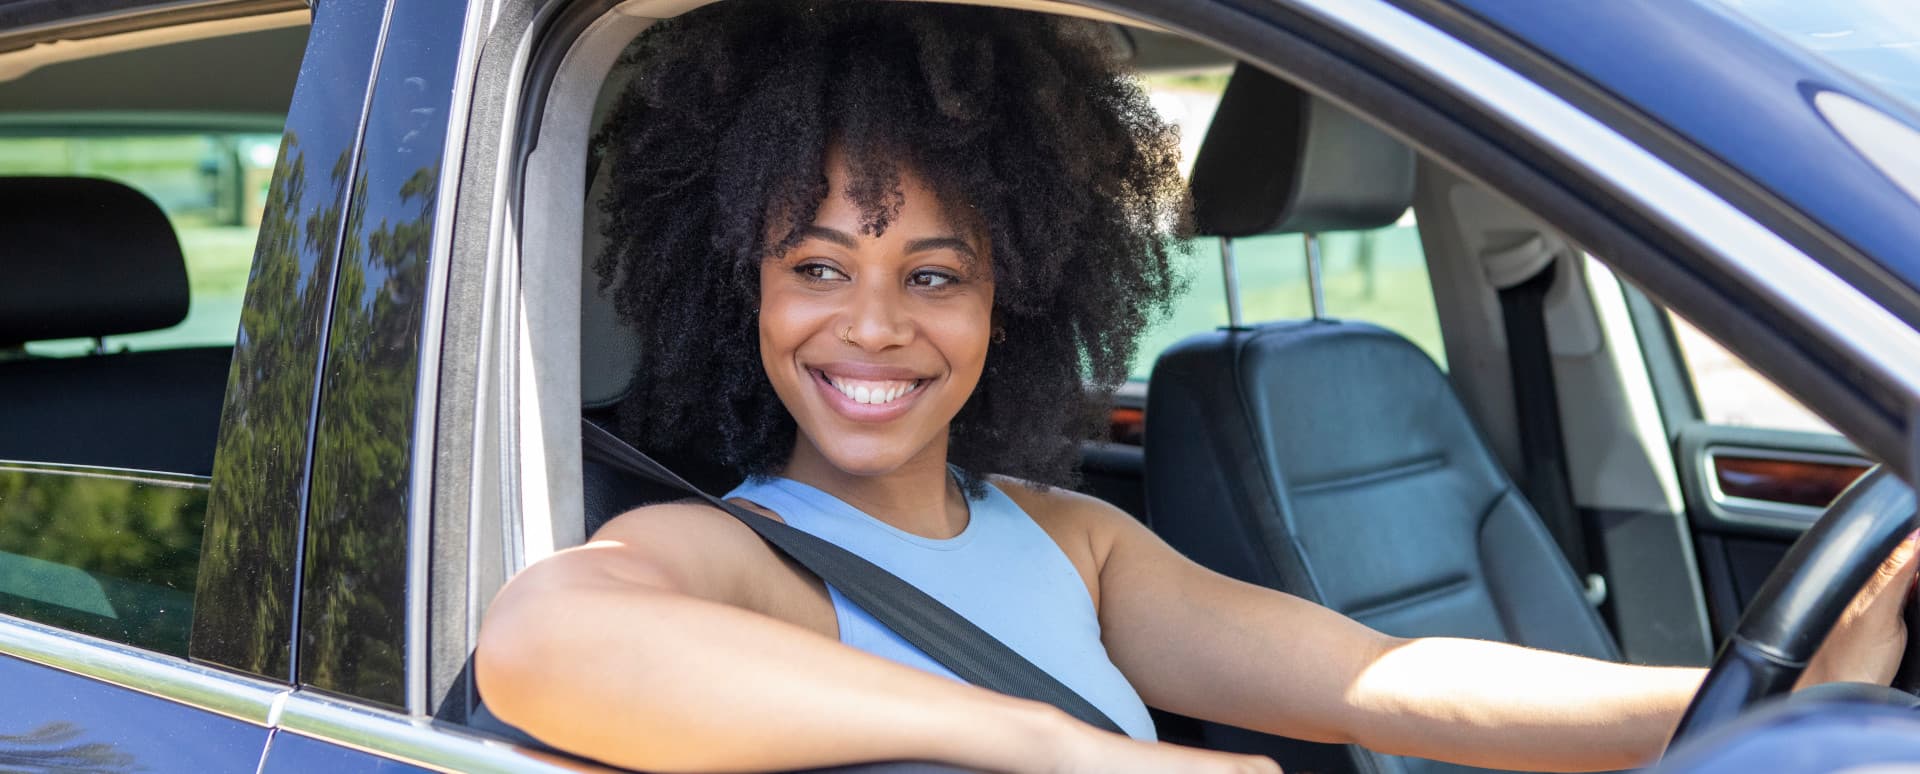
(677, 522)
(1052, 505)
(689, 546)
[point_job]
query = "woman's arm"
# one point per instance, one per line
(1201, 644)
(652, 647)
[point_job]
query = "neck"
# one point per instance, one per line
(918, 496)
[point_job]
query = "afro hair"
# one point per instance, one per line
(1025, 124)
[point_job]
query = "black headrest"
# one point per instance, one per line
(82, 257)
(1279, 160)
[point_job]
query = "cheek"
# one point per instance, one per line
(966, 341)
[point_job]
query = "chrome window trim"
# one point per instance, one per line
(1768, 265)
(414, 740)
(426, 414)
(229, 694)
(148, 477)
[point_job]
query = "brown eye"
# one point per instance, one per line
(932, 279)
(819, 271)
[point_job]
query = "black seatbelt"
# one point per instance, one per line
(1537, 409)
(946, 636)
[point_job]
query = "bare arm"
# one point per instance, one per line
(1205, 645)
(676, 659)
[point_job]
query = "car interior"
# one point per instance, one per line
(1325, 456)
(96, 260)
(1328, 458)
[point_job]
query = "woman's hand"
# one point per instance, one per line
(1871, 637)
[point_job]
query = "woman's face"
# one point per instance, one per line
(874, 342)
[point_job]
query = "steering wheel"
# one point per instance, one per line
(1803, 599)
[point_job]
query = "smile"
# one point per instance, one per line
(872, 392)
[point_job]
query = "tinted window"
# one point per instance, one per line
(211, 184)
(105, 554)
(106, 446)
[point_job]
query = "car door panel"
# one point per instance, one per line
(1750, 493)
(291, 752)
(77, 723)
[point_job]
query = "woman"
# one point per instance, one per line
(875, 253)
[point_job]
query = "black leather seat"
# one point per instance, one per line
(91, 258)
(1329, 459)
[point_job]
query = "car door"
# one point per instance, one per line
(118, 606)
(1757, 467)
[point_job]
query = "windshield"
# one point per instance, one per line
(1877, 41)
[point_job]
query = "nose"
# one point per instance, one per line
(878, 316)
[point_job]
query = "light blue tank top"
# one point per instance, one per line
(1003, 573)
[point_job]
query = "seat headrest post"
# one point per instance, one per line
(1231, 272)
(1316, 287)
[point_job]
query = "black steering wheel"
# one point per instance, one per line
(1803, 599)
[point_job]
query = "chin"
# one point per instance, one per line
(868, 459)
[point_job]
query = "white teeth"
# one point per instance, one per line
(871, 393)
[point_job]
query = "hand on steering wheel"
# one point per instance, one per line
(1848, 576)
(1869, 641)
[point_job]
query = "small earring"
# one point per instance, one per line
(999, 335)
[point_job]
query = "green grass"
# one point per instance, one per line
(218, 257)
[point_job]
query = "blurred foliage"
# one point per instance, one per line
(136, 539)
(211, 184)
(358, 533)
(1377, 276)
(57, 747)
(1212, 80)
(257, 494)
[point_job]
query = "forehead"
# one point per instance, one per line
(882, 198)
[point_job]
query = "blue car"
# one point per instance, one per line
(302, 352)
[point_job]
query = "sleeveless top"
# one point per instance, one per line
(1003, 572)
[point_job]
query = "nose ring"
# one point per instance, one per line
(847, 335)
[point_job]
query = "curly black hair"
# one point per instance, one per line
(1023, 125)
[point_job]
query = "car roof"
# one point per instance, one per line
(1746, 111)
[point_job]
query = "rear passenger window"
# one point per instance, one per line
(130, 216)
(212, 185)
(1378, 276)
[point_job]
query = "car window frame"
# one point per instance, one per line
(1319, 43)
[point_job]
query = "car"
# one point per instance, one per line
(254, 502)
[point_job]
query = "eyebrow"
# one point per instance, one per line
(846, 240)
(835, 236)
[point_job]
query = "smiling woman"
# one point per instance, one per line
(1033, 164)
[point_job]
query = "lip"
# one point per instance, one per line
(866, 412)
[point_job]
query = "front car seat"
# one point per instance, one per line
(1332, 460)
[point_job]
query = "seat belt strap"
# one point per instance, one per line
(1537, 409)
(944, 635)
